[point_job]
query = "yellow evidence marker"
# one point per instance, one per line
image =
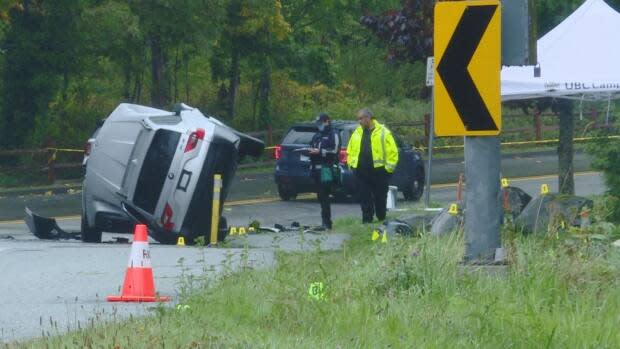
(384, 238)
(316, 291)
(375, 235)
(181, 241)
(505, 183)
(454, 209)
(544, 189)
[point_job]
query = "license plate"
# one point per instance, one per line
(304, 158)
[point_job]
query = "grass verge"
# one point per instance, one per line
(559, 291)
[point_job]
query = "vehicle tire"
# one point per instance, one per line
(89, 234)
(341, 197)
(222, 229)
(416, 189)
(286, 194)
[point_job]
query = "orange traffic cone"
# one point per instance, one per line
(139, 285)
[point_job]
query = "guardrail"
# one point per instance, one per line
(39, 162)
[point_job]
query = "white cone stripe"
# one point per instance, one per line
(140, 255)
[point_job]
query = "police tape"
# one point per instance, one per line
(66, 150)
(534, 142)
(443, 147)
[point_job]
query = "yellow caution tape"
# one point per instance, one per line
(52, 158)
(544, 141)
(65, 150)
(534, 142)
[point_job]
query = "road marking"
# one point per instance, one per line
(310, 196)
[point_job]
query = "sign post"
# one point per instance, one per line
(430, 82)
(468, 103)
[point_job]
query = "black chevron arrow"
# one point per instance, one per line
(453, 68)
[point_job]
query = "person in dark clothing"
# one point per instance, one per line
(324, 149)
(373, 156)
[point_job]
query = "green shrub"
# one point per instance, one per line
(606, 154)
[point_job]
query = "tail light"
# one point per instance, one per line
(277, 152)
(166, 218)
(343, 156)
(196, 136)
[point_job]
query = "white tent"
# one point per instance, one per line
(580, 58)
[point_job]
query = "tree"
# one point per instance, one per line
(113, 31)
(606, 158)
(42, 52)
(408, 32)
(566, 181)
(253, 27)
(169, 26)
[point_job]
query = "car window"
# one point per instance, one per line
(345, 135)
(299, 135)
(155, 169)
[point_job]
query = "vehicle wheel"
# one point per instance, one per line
(416, 189)
(89, 234)
(341, 197)
(286, 194)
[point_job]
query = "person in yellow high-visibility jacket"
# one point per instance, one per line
(373, 156)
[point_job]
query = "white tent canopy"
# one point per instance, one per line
(580, 58)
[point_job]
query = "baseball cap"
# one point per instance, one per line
(322, 118)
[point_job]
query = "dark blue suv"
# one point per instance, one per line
(292, 173)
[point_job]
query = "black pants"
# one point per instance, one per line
(373, 187)
(322, 194)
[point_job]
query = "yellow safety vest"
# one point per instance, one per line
(384, 149)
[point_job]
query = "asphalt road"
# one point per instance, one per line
(49, 287)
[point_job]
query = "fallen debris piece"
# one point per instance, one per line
(47, 228)
(550, 211)
(446, 223)
(514, 200)
(394, 227)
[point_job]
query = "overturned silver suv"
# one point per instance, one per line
(157, 168)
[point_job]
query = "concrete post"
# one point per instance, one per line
(483, 208)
